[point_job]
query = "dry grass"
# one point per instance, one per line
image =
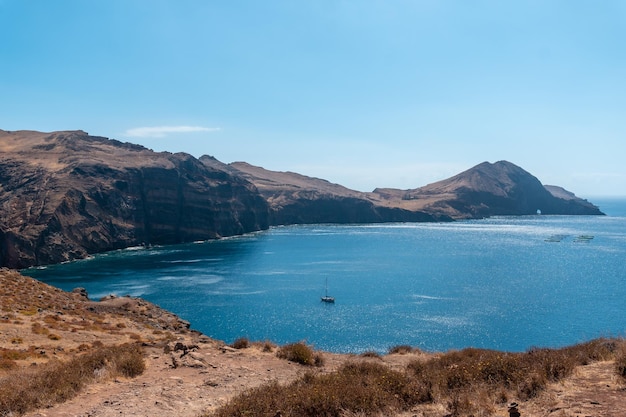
(56, 381)
(466, 382)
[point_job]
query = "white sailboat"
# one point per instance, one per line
(327, 298)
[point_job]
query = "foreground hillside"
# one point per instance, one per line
(48, 333)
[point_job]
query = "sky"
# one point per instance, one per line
(364, 93)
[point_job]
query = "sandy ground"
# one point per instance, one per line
(188, 373)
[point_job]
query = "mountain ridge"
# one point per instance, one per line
(66, 195)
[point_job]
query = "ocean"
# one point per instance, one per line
(506, 283)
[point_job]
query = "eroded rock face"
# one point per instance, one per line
(65, 195)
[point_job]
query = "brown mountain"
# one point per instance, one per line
(298, 199)
(501, 188)
(485, 190)
(65, 195)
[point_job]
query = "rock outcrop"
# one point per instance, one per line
(65, 195)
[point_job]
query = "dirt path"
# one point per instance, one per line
(188, 373)
(204, 379)
(593, 390)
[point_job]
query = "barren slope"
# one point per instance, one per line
(188, 373)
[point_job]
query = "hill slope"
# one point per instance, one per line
(187, 373)
(65, 195)
(297, 199)
(501, 188)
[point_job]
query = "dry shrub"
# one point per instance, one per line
(468, 382)
(265, 346)
(370, 354)
(37, 328)
(241, 343)
(268, 346)
(7, 364)
(300, 353)
(531, 386)
(57, 381)
(365, 388)
(620, 362)
(400, 349)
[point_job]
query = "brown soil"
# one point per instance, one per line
(188, 373)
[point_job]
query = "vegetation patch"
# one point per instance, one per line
(28, 389)
(468, 382)
(241, 343)
(300, 353)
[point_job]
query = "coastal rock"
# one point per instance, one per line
(65, 195)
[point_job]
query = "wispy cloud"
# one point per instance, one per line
(162, 131)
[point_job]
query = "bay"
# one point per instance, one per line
(507, 283)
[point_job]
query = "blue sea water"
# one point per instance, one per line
(507, 283)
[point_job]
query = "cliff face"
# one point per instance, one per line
(67, 194)
(501, 188)
(298, 199)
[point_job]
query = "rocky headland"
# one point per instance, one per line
(66, 195)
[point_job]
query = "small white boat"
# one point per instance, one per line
(327, 298)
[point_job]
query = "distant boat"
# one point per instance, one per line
(327, 298)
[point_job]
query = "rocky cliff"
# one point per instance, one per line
(65, 195)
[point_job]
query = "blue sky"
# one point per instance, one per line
(365, 93)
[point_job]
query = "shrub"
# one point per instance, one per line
(620, 363)
(400, 349)
(37, 328)
(7, 364)
(298, 352)
(365, 388)
(129, 362)
(268, 346)
(241, 343)
(57, 381)
(467, 382)
(370, 354)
